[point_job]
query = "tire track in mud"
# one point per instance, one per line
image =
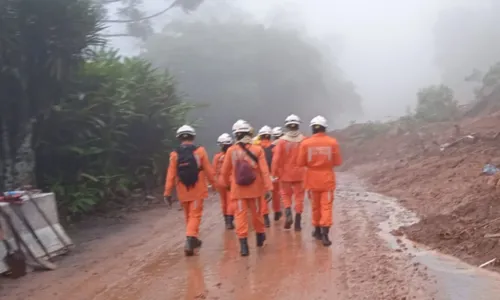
(145, 261)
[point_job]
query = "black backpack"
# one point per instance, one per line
(269, 155)
(187, 166)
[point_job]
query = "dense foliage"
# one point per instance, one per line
(42, 45)
(113, 135)
(436, 103)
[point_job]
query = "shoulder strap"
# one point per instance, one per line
(249, 153)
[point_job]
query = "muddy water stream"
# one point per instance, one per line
(455, 280)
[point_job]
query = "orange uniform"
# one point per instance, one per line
(225, 195)
(191, 199)
(291, 176)
(246, 197)
(320, 154)
(276, 188)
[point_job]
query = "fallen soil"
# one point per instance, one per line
(457, 205)
(141, 257)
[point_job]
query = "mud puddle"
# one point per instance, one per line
(455, 279)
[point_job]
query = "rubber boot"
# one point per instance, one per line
(324, 236)
(244, 247)
(267, 223)
(289, 218)
(298, 218)
(190, 245)
(261, 237)
(229, 222)
(277, 215)
(197, 243)
(317, 233)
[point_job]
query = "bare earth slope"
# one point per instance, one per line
(457, 205)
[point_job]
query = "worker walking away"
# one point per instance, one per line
(224, 141)
(289, 174)
(320, 154)
(276, 133)
(245, 169)
(189, 166)
(265, 134)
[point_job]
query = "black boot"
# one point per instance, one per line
(261, 237)
(229, 222)
(317, 233)
(190, 245)
(267, 223)
(277, 216)
(324, 236)
(197, 243)
(289, 218)
(244, 247)
(298, 218)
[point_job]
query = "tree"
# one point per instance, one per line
(436, 103)
(245, 70)
(43, 44)
(131, 13)
(112, 135)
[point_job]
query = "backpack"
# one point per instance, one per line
(269, 155)
(187, 165)
(244, 172)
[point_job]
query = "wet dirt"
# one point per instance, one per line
(142, 258)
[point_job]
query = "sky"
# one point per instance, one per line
(384, 46)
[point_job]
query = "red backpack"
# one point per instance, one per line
(244, 172)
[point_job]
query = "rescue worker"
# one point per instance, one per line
(289, 174)
(185, 173)
(276, 134)
(245, 169)
(224, 141)
(265, 134)
(320, 154)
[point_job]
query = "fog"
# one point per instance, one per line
(386, 48)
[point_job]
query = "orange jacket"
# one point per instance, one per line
(262, 182)
(319, 154)
(217, 163)
(200, 190)
(284, 165)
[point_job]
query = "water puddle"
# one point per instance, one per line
(456, 280)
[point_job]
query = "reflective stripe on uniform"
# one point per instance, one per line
(322, 150)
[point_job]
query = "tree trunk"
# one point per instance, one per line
(18, 169)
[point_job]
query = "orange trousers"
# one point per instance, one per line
(227, 206)
(296, 190)
(276, 201)
(322, 208)
(241, 216)
(192, 212)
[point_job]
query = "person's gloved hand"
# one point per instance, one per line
(168, 200)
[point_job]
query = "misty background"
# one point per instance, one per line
(361, 59)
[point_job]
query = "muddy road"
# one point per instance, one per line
(143, 258)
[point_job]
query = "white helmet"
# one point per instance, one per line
(265, 130)
(292, 119)
(241, 126)
(225, 139)
(185, 129)
(319, 120)
(277, 131)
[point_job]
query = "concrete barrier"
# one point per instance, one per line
(50, 240)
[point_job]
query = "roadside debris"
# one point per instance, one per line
(488, 263)
(490, 169)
